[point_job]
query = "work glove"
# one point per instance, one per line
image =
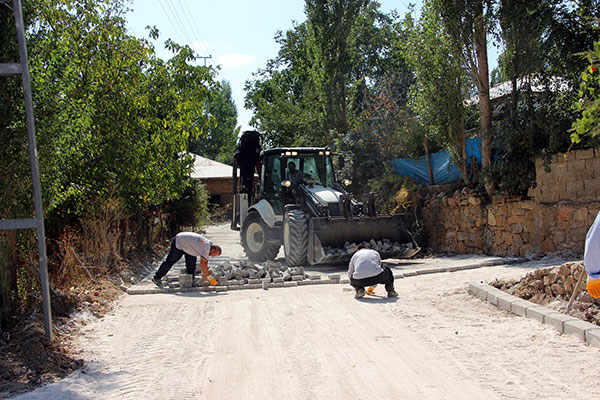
(210, 279)
(593, 288)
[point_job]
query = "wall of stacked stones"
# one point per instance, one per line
(554, 219)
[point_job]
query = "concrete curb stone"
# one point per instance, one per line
(564, 324)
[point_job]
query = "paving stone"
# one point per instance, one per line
(426, 271)
(334, 277)
(489, 263)
(252, 286)
(397, 275)
(504, 301)
(278, 279)
(290, 284)
(276, 284)
(468, 266)
(296, 278)
(220, 289)
(592, 337)
(313, 277)
(557, 320)
(345, 281)
(452, 269)
(578, 328)
(306, 282)
(493, 294)
(253, 281)
(520, 307)
(478, 289)
(409, 273)
(538, 313)
(234, 287)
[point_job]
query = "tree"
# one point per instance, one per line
(438, 96)
(316, 88)
(333, 24)
(113, 119)
(467, 23)
(220, 142)
(113, 122)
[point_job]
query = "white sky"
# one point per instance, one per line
(238, 34)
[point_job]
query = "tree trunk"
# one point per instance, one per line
(483, 86)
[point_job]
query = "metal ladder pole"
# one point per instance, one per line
(23, 70)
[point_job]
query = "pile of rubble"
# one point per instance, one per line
(385, 247)
(553, 287)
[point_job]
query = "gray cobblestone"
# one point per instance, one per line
(538, 313)
(592, 337)
(520, 307)
(578, 328)
(557, 320)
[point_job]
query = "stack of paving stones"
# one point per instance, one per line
(272, 274)
(249, 275)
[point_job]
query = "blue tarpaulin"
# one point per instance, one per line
(442, 167)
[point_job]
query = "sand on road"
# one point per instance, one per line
(434, 341)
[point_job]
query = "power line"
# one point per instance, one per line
(169, 19)
(176, 14)
(194, 27)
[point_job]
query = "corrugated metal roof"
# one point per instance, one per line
(205, 168)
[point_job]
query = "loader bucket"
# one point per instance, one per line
(335, 239)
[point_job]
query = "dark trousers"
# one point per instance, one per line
(386, 278)
(174, 255)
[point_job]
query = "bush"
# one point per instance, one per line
(400, 195)
(191, 210)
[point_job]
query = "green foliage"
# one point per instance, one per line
(327, 68)
(112, 118)
(191, 210)
(113, 124)
(438, 96)
(400, 195)
(220, 141)
(588, 105)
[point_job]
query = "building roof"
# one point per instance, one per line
(505, 88)
(205, 168)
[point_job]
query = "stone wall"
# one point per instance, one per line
(555, 219)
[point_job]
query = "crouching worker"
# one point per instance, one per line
(191, 245)
(365, 269)
(591, 258)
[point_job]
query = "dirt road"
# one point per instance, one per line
(317, 342)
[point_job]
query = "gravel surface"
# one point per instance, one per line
(435, 341)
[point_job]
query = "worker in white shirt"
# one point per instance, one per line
(591, 258)
(365, 269)
(191, 245)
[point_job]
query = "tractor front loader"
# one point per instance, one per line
(291, 196)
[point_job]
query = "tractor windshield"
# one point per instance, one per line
(310, 167)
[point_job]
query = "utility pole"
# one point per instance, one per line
(204, 57)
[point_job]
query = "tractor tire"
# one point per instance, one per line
(254, 234)
(295, 238)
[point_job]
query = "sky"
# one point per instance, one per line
(238, 35)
